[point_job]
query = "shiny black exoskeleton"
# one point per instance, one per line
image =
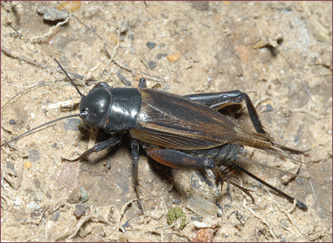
(177, 131)
(111, 109)
(173, 129)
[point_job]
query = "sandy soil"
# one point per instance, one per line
(280, 53)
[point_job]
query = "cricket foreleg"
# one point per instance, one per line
(135, 157)
(98, 147)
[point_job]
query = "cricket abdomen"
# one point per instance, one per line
(223, 155)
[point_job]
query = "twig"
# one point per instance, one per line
(153, 78)
(82, 222)
(5, 198)
(147, 75)
(122, 211)
(123, 79)
(81, 22)
(89, 74)
(298, 76)
(261, 100)
(19, 176)
(27, 60)
(314, 193)
(115, 48)
(123, 66)
(290, 218)
(264, 221)
(51, 30)
(22, 58)
(291, 231)
(22, 92)
(302, 110)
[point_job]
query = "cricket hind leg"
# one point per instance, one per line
(222, 99)
(289, 198)
(226, 170)
(181, 160)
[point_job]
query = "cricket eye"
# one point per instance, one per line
(89, 117)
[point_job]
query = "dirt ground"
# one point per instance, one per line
(279, 53)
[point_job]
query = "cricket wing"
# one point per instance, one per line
(172, 121)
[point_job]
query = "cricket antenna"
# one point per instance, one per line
(69, 78)
(34, 129)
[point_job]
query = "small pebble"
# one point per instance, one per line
(80, 210)
(152, 65)
(200, 225)
(127, 224)
(55, 216)
(174, 57)
(33, 206)
(12, 121)
(204, 235)
(151, 45)
(83, 195)
(17, 202)
(196, 218)
(268, 108)
(74, 196)
(131, 36)
(70, 5)
(40, 10)
(124, 27)
(27, 164)
(52, 14)
(36, 213)
(36, 183)
(160, 55)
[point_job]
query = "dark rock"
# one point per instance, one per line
(152, 65)
(80, 210)
(52, 14)
(151, 45)
(12, 121)
(160, 55)
(55, 216)
(74, 197)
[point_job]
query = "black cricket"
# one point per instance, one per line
(178, 131)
